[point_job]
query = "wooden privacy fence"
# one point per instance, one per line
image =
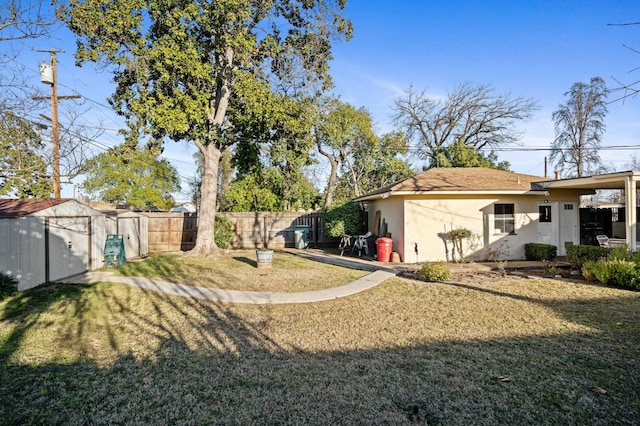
(177, 231)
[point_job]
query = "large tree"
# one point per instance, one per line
(23, 170)
(475, 115)
(128, 174)
(579, 126)
(381, 164)
(181, 66)
(460, 155)
(341, 131)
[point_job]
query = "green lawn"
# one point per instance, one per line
(504, 351)
(236, 270)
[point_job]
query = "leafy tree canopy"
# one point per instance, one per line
(460, 155)
(268, 190)
(188, 69)
(382, 164)
(132, 175)
(23, 169)
(343, 130)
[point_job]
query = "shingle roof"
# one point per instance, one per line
(25, 207)
(463, 179)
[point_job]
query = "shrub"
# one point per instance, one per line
(613, 272)
(8, 285)
(343, 218)
(223, 231)
(536, 251)
(619, 253)
(579, 254)
(457, 236)
(435, 271)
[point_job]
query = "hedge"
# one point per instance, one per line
(536, 251)
(578, 255)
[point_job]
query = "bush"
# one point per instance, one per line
(435, 271)
(343, 218)
(8, 285)
(457, 236)
(223, 231)
(578, 255)
(613, 272)
(536, 251)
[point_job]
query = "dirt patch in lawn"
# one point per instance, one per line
(487, 275)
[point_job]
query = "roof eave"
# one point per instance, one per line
(384, 195)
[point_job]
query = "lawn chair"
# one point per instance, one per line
(603, 240)
(362, 244)
(345, 244)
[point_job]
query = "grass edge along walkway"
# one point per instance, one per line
(237, 296)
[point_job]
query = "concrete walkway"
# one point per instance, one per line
(378, 275)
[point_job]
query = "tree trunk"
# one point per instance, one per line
(333, 176)
(331, 185)
(205, 241)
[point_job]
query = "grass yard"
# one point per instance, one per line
(236, 270)
(499, 351)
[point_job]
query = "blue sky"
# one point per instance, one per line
(532, 49)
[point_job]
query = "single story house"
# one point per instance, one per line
(503, 210)
(48, 240)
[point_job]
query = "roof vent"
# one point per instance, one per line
(557, 174)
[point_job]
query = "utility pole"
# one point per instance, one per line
(48, 75)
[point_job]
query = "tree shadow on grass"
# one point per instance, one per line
(243, 259)
(169, 360)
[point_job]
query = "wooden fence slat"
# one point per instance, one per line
(178, 231)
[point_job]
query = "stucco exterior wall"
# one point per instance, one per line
(422, 221)
(392, 213)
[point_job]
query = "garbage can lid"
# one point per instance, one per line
(384, 240)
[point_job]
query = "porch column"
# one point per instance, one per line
(630, 212)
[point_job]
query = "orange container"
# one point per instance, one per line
(384, 247)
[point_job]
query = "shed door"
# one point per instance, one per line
(68, 241)
(129, 227)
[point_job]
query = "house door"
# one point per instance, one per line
(68, 241)
(568, 226)
(548, 224)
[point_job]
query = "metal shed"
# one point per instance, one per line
(135, 229)
(48, 240)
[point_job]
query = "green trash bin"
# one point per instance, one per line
(114, 255)
(301, 236)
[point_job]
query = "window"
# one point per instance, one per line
(545, 213)
(504, 219)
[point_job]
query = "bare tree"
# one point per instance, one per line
(475, 115)
(627, 89)
(77, 140)
(22, 19)
(579, 126)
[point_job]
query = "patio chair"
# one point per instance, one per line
(603, 240)
(345, 244)
(362, 244)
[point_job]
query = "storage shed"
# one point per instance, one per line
(48, 240)
(135, 230)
